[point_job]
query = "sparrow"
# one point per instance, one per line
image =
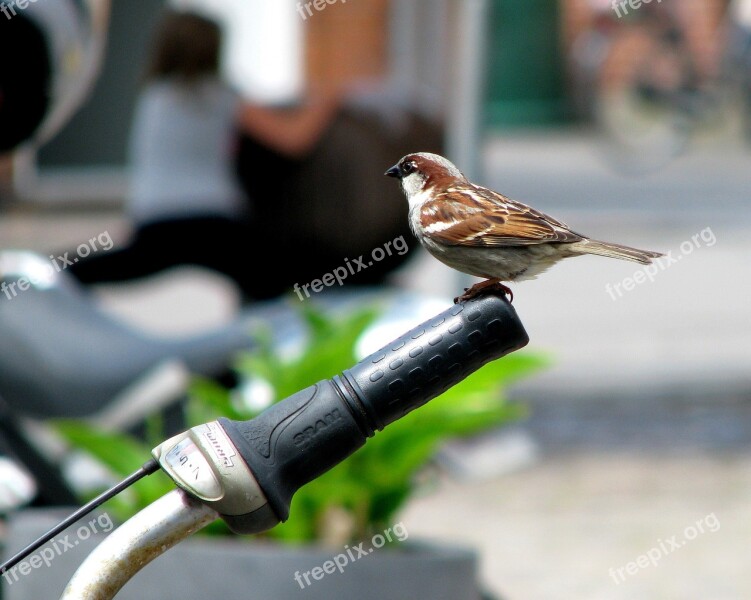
(486, 234)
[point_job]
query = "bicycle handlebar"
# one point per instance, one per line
(247, 472)
(133, 545)
(303, 436)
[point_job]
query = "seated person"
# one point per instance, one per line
(310, 191)
(184, 200)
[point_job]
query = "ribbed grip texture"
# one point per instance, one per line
(434, 356)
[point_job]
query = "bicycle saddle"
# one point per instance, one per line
(62, 356)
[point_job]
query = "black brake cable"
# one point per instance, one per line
(147, 469)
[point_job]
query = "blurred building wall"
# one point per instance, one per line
(530, 43)
(524, 67)
(524, 64)
(347, 41)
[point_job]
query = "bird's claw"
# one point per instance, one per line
(480, 289)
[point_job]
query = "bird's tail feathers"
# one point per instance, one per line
(644, 257)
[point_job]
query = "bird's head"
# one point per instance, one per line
(422, 170)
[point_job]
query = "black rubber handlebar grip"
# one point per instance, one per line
(297, 439)
(426, 361)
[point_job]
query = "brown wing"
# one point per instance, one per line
(477, 216)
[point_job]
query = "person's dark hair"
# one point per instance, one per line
(186, 45)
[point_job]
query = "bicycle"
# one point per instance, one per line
(638, 79)
(247, 472)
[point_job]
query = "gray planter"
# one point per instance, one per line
(229, 569)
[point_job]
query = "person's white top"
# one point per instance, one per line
(181, 152)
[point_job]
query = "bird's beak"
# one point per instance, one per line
(393, 172)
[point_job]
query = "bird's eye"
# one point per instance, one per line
(409, 167)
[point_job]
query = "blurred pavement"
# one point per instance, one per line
(555, 531)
